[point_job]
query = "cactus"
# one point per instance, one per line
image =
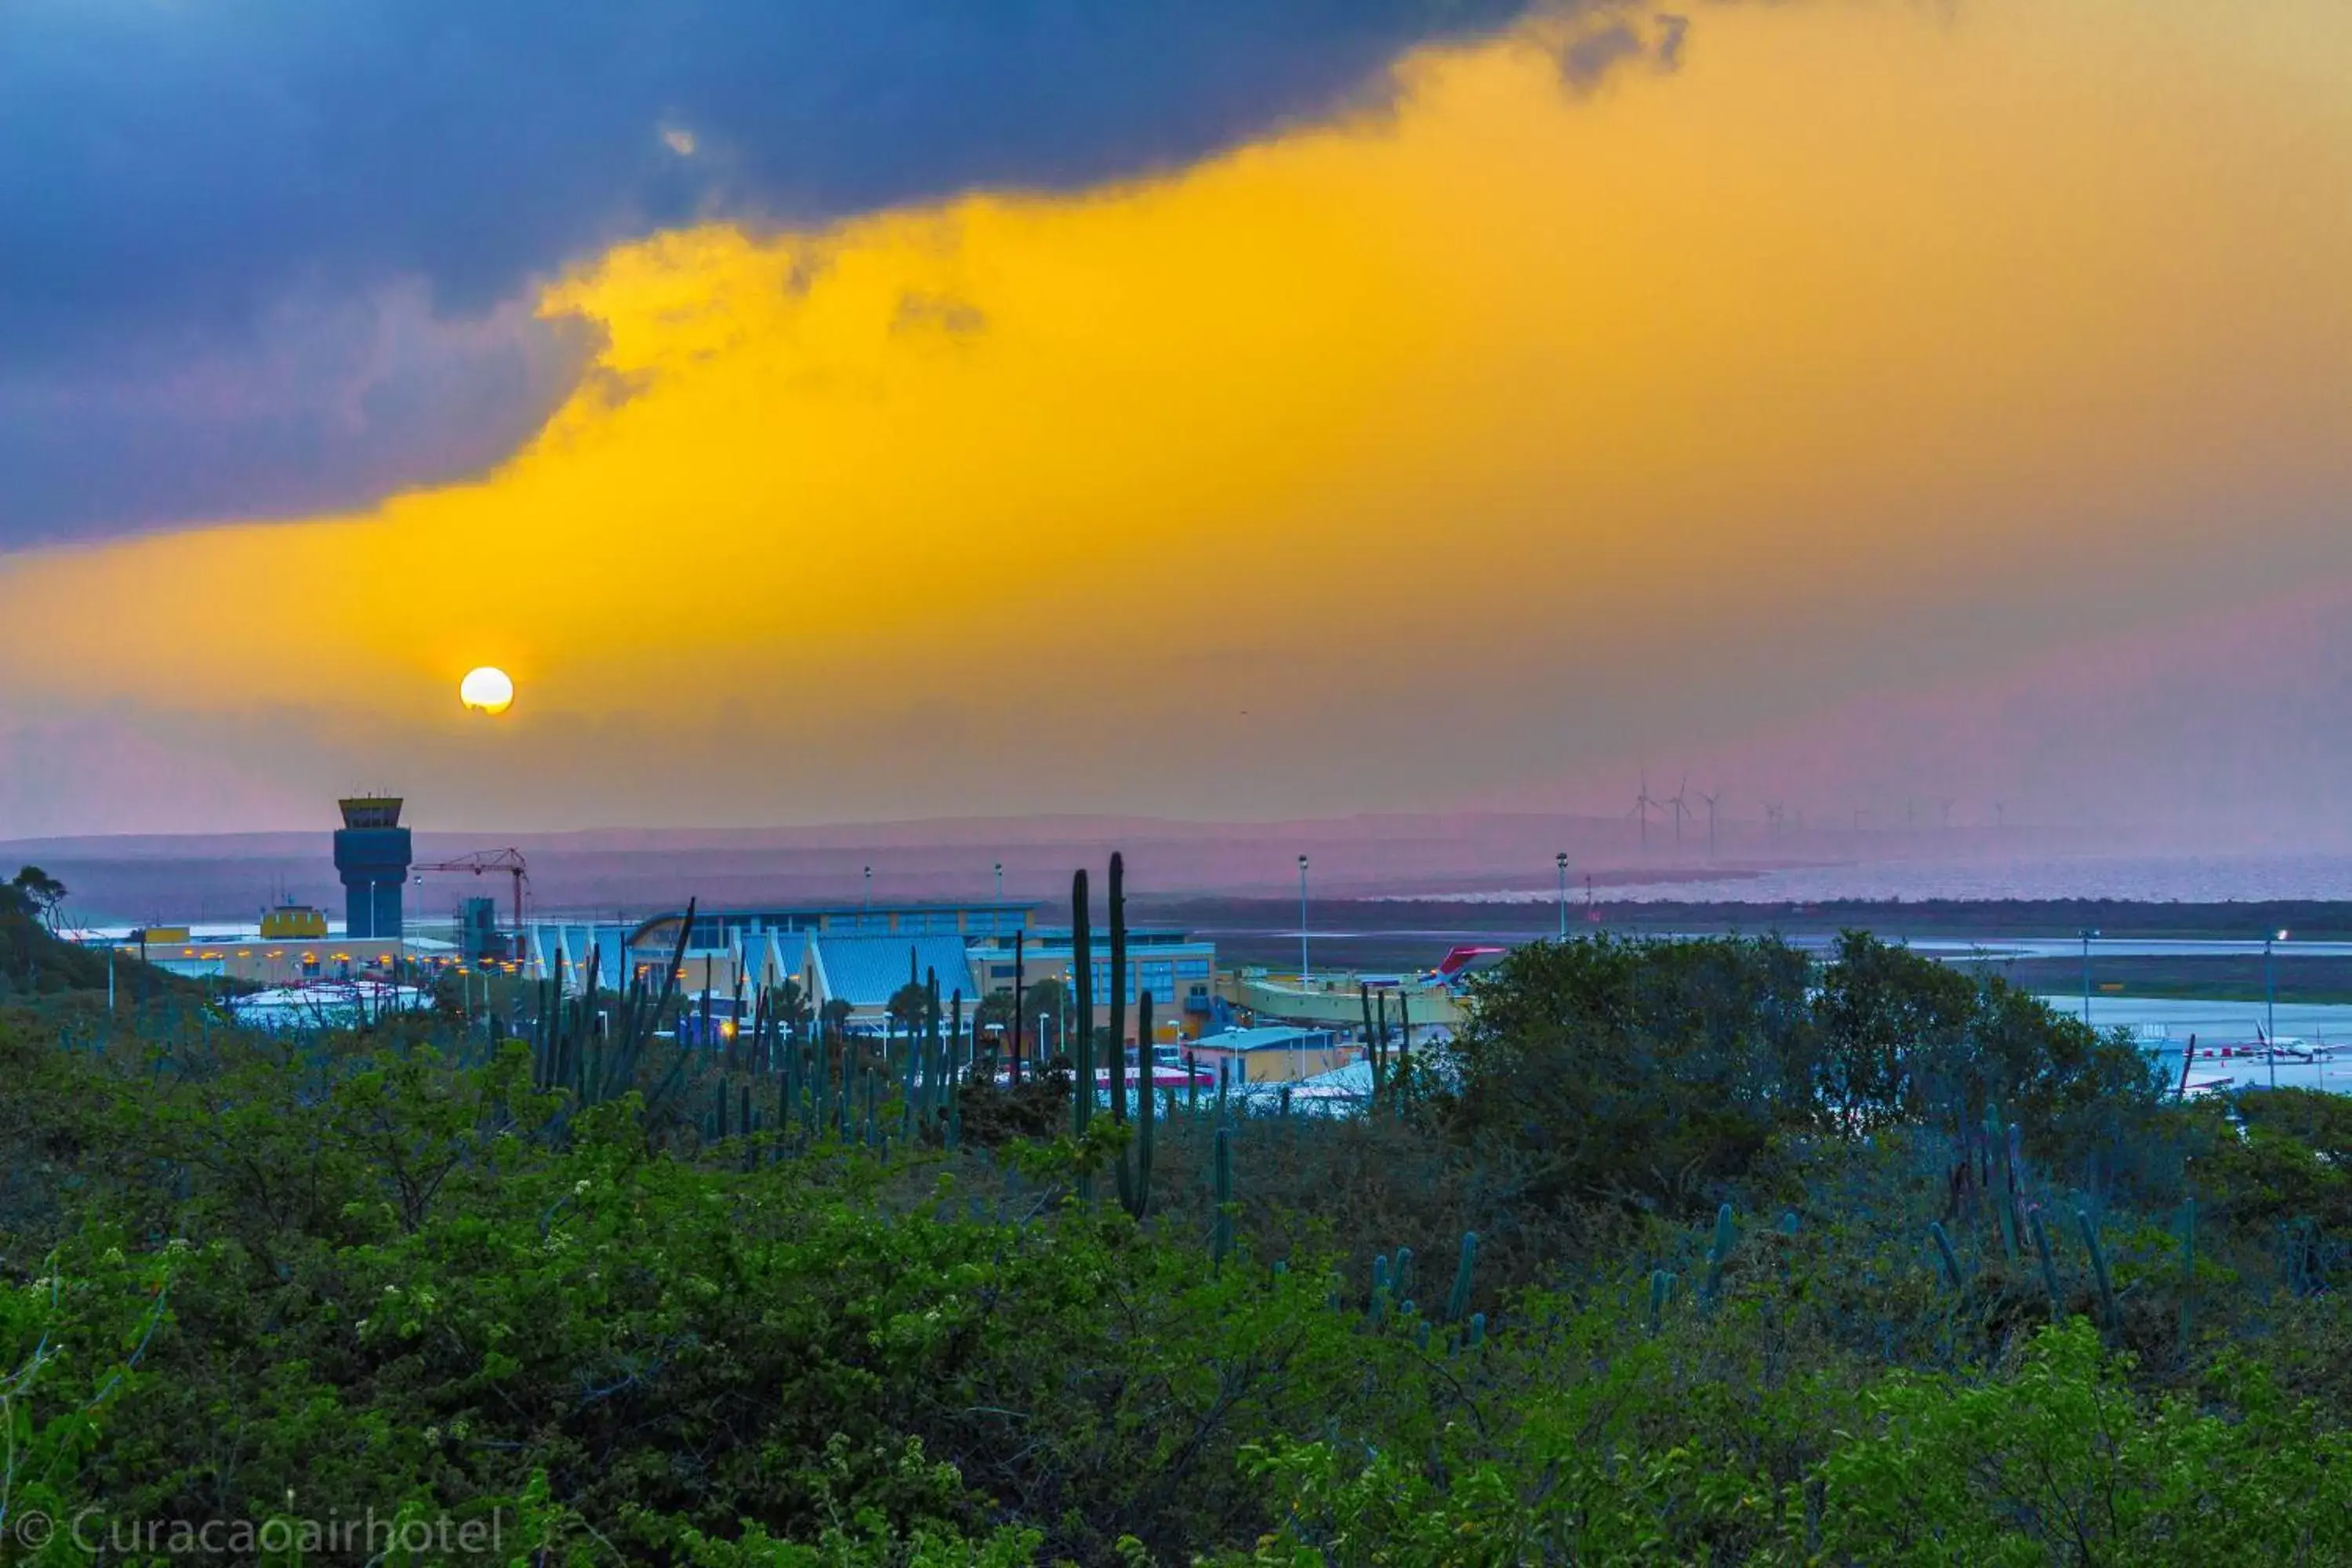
(2098, 1267)
(1420, 1335)
(1380, 1302)
(1403, 1272)
(1457, 1305)
(1477, 1330)
(1082, 980)
(1718, 1253)
(2187, 1271)
(1952, 1274)
(1222, 1239)
(1401, 1079)
(1117, 987)
(1789, 1223)
(1125, 1177)
(1661, 1291)
(2005, 1198)
(1147, 1115)
(2049, 1267)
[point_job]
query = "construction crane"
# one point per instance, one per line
(511, 861)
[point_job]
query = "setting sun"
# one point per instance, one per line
(487, 691)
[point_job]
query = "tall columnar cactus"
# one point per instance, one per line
(1661, 1291)
(1401, 1076)
(1457, 1305)
(2049, 1265)
(1082, 982)
(1222, 1236)
(1117, 987)
(1378, 1309)
(1952, 1275)
(2004, 1186)
(1718, 1253)
(1147, 1115)
(959, 1060)
(2098, 1267)
(934, 1046)
(2187, 1271)
(1125, 1177)
(1020, 1003)
(1403, 1272)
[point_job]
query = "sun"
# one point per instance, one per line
(487, 691)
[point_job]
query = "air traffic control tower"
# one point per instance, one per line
(372, 854)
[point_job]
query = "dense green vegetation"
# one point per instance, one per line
(1698, 1251)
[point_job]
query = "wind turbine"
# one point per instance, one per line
(1775, 817)
(1644, 804)
(1709, 801)
(1681, 811)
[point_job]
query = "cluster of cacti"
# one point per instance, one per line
(576, 1048)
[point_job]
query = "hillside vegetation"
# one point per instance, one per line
(1683, 1252)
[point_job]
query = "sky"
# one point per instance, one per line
(1219, 410)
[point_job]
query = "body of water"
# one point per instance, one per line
(2144, 878)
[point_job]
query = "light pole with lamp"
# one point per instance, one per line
(2270, 1005)
(867, 902)
(1302, 924)
(1559, 862)
(2088, 934)
(999, 881)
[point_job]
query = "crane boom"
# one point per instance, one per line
(509, 860)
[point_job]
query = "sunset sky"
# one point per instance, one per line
(1382, 407)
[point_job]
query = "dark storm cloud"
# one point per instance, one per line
(263, 256)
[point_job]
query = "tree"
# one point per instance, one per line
(43, 893)
(1048, 999)
(910, 1004)
(789, 1004)
(994, 1012)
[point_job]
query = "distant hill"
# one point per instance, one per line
(227, 877)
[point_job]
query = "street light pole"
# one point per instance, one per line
(2087, 935)
(867, 902)
(999, 881)
(1302, 924)
(1560, 862)
(2270, 1006)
